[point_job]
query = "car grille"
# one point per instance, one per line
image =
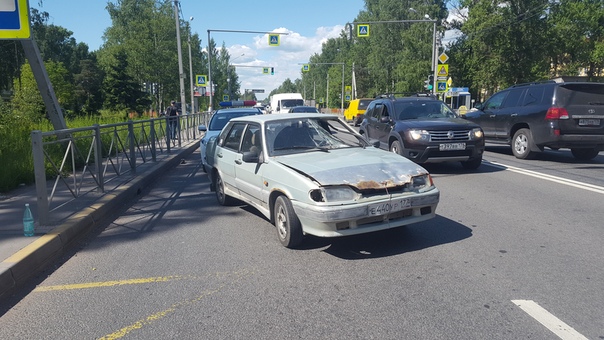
(449, 135)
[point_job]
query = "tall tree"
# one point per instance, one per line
(122, 92)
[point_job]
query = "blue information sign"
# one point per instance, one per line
(14, 19)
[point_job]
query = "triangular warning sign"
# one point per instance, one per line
(442, 71)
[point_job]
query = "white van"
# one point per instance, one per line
(282, 102)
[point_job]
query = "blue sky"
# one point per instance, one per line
(309, 24)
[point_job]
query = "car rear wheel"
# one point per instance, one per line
(289, 228)
(522, 143)
(584, 154)
(472, 164)
(396, 147)
(221, 197)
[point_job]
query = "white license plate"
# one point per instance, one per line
(389, 207)
(589, 122)
(452, 146)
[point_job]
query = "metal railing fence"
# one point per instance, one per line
(80, 160)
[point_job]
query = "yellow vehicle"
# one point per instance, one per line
(356, 110)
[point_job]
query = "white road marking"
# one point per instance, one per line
(557, 326)
(560, 180)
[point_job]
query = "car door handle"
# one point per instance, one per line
(219, 155)
(514, 115)
(492, 116)
(238, 162)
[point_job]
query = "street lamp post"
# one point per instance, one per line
(181, 74)
(434, 51)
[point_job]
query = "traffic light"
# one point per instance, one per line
(429, 83)
(272, 71)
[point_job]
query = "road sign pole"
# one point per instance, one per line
(32, 53)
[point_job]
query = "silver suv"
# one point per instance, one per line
(531, 117)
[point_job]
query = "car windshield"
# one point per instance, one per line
(220, 119)
(286, 103)
(422, 109)
(309, 134)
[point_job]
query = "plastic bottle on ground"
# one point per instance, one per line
(28, 221)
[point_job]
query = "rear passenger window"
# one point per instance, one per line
(496, 100)
(513, 98)
(533, 96)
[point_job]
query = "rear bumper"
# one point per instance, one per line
(571, 141)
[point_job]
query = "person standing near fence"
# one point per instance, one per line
(172, 113)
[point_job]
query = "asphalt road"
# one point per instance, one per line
(515, 252)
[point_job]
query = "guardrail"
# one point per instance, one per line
(86, 159)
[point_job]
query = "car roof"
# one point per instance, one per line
(283, 116)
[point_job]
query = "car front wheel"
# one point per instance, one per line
(396, 147)
(221, 196)
(522, 144)
(584, 154)
(289, 228)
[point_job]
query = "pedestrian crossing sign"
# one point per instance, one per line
(201, 79)
(441, 86)
(363, 30)
(305, 68)
(14, 19)
(273, 39)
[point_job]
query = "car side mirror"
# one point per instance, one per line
(202, 128)
(385, 119)
(250, 157)
(376, 144)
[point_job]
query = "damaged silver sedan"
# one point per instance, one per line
(313, 174)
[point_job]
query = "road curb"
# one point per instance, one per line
(32, 259)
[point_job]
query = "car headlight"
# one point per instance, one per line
(476, 133)
(421, 182)
(419, 135)
(334, 194)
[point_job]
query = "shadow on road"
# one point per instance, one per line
(391, 242)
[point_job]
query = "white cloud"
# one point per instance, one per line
(294, 49)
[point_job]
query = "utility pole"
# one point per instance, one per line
(181, 73)
(191, 71)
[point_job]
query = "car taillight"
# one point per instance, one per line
(555, 113)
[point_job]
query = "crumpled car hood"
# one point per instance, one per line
(369, 168)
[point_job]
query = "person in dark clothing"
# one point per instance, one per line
(172, 113)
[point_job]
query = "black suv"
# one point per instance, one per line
(423, 129)
(530, 117)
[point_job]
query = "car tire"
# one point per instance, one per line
(584, 154)
(221, 196)
(289, 228)
(396, 147)
(522, 144)
(472, 164)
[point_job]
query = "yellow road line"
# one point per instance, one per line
(107, 283)
(159, 315)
